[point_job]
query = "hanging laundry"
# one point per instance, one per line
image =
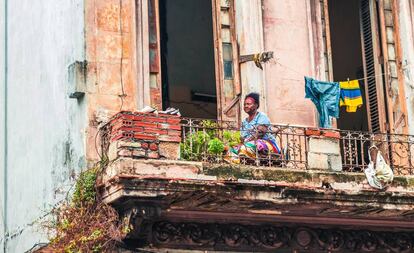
(350, 95)
(325, 96)
(379, 174)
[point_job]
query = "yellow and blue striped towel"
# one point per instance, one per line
(350, 95)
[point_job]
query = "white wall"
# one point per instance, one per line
(406, 12)
(45, 136)
(2, 114)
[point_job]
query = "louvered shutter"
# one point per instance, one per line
(372, 67)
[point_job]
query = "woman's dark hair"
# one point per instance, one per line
(255, 96)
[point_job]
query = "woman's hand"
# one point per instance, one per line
(261, 131)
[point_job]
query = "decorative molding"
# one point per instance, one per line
(269, 238)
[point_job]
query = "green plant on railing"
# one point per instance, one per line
(194, 145)
(231, 138)
(215, 147)
(210, 127)
(209, 139)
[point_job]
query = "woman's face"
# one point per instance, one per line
(249, 106)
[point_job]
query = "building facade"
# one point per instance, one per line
(69, 66)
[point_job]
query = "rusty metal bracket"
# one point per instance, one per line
(401, 119)
(258, 59)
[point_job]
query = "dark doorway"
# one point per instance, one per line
(187, 57)
(347, 61)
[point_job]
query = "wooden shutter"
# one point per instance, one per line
(226, 58)
(372, 60)
(142, 53)
(326, 35)
(154, 53)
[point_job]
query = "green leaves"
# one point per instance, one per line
(215, 146)
(207, 140)
(231, 138)
(194, 145)
(85, 188)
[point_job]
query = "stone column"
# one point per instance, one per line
(324, 151)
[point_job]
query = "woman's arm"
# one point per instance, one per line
(261, 131)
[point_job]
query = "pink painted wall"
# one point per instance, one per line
(287, 33)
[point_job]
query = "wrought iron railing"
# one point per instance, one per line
(212, 141)
(398, 151)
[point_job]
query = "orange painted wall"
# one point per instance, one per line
(109, 32)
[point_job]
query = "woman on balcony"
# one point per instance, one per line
(256, 134)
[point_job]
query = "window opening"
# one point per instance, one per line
(347, 56)
(356, 54)
(187, 57)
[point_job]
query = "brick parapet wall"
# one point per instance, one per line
(143, 135)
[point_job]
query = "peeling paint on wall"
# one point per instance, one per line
(406, 22)
(46, 137)
(285, 25)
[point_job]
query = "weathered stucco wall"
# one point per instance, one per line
(249, 28)
(112, 83)
(2, 116)
(45, 139)
(406, 22)
(287, 32)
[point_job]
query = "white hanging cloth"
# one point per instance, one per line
(379, 174)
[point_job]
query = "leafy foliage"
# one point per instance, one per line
(194, 145)
(85, 188)
(231, 138)
(207, 140)
(215, 146)
(210, 127)
(85, 224)
(88, 228)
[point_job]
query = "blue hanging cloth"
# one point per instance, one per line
(325, 96)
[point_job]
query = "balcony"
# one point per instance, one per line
(170, 179)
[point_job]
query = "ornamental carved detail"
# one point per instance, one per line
(268, 238)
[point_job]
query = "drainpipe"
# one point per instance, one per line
(5, 173)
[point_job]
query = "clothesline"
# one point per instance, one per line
(369, 77)
(293, 70)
